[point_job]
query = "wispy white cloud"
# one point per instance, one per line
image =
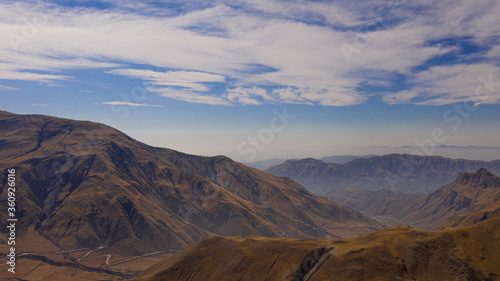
(439, 85)
(248, 95)
(2, 87)
(187, 79)
(220, 43)
(402, 97)
(325, 12)
(258, 96)
(130, 104)
(30, 76)
(188, 96)
(494, 53)
(40, 105)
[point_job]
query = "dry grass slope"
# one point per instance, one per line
(402, 253)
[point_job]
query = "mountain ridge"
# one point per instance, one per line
(399, 172)
(471, 198)
(85, 184)
(402, 253)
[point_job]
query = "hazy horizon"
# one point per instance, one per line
(448, 150)
(256, 80)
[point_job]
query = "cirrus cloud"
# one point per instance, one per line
(297, 43)
(130, 104)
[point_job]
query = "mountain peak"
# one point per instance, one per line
(304, 161)
(310, 160)
(482, 177)
(484, 171)
(135, 198)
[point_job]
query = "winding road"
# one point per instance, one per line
(86, 257)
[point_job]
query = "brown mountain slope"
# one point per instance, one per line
(470, 193)
(402, 253)
(471, 198)
(383, 205)
(482, 214)
(369, 201)
(485, 199)
(86, 185)
(398, 172)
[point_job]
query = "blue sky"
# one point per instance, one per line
(215, 77)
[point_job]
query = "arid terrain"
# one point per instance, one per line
(402, 253)
(84, 186)
(469, 250)
(94, 204)
(249, 140)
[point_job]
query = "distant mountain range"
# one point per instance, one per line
(339, 159)
(397, 172)
(457, 147)
(471, 198)
(342, 159)
(403, 253)
(87, 185)
(264, 164)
